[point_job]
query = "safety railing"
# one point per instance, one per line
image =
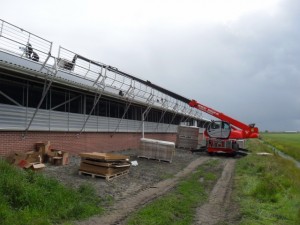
(115, 81)
(22, 43)
(105, 78)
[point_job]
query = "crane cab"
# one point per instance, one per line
(220, 140)
(218, 129)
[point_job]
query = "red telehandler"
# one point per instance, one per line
(222, 136)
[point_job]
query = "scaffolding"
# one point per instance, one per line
(29, 51)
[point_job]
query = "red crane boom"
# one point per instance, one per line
(247, 131)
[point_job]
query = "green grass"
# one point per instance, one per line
(178, 206)
(288, 143)
(267, 188)
(27, 197)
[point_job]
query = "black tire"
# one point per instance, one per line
(211, 153)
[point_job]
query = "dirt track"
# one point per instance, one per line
(149, 180)
(219, 206)
(127, 206)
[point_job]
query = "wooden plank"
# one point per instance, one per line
(103, 156)
(106, 164)
(102, 170)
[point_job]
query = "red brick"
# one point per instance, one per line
(74, 143)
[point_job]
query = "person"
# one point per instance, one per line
(35, 56)
(28, 50)
(30, 53)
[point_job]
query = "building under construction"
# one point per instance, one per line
(76, 103)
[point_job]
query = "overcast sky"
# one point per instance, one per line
(240, 57)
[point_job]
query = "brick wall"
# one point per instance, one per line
(73, 143)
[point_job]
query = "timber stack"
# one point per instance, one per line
(104, 165)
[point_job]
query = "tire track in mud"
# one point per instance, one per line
(219, 206)
(122, 209)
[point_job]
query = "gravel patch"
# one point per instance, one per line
(139, 178)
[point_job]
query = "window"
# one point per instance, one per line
(57, 100)
(13, 90)
(61, 98)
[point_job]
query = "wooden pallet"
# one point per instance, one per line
(107, 177)
(160, 160)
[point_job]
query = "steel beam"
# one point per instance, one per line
(9, 98)
(46, 89)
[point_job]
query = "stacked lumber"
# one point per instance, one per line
(156, 149)
(104, 165)
(187, 137)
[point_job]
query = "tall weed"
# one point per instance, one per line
(268, 188)
(27, 197)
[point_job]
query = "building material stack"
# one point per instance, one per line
(104, 165)
(187, 137)
(155, 149)
(42, 154)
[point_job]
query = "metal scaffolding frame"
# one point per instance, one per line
(150, 103)
(51, 74)
(175, 110)
(101, 87)
(23, 43)
(95, 76)
(164, 106)
(129, 97)
(10, 99)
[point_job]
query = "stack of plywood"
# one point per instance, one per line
(104, 164)
(155, 149)
(187, 137)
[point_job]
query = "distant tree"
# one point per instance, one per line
(266, 131)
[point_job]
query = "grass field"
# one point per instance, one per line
(267, 188)
(288, 143)
(27, 197)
